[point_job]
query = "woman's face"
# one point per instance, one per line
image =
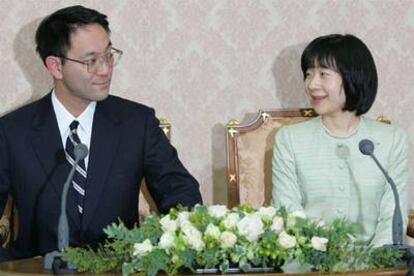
(325, 91)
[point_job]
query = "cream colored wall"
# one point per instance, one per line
(201, 62)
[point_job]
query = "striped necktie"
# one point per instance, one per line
(79, 178)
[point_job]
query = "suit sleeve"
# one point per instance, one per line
(398, 170)
(169, 183)
(5, 255)
(285, 188)
(4, 170)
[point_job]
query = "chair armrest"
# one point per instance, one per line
(4, 231)
(410, 228)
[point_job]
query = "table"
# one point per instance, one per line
(34, 266)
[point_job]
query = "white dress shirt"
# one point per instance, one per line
(65, 118)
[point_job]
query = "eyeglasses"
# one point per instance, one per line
(95, 64)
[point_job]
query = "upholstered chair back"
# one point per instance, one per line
(249, 154)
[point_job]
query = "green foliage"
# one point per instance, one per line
(181, 243)
(200, 218)
(273, 254)
(187, 258)
(155, 262)
(245, 208)
(382, 257)
(101, 260)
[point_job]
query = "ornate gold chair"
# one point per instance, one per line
(410, 228)
(249, 156)
(250, 171)
(9, 221)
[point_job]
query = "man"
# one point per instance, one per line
(124, 140)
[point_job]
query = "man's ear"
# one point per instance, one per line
(54, 66)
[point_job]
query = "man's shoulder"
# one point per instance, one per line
(125, 105)
(26, 111)
(124, 110)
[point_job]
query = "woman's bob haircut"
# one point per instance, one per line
(351, 58)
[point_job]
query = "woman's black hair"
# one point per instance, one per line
(351, 58)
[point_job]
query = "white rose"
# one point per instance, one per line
(167, 224)
(228, 239)
(351, 237)
(319, 243)
(217, 211)
(277, 224)
(141, 249)
(292, 218)
(193, 237)
(183, 219)
(321, 223)
(299, 214)
(196, 243)
(231, 220)
(251, 226)
(167, 240)
(285, 240)
(190, 230)
(267, 213)
(213, 231)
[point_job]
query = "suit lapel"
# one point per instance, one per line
(47, 144)
(46, 137)
(103, 148)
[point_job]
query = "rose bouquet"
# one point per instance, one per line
(214, 237)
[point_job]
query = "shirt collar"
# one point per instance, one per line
(65, 118)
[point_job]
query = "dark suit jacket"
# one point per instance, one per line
(126, 145)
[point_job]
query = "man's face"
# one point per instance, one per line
(87, 43)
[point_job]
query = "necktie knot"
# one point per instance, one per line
(74, 125)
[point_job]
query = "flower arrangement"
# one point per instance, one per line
(216, 237)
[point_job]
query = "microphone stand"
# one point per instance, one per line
(53, 260)
(397, 225)
(397, 221)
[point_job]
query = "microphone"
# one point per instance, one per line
(80, 151)
(367, 148)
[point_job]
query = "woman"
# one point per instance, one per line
(317, 166)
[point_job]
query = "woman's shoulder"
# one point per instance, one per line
(302, 127)
(295, 132)
(382, 129)
(386, 134)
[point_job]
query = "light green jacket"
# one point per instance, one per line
(328, 177)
